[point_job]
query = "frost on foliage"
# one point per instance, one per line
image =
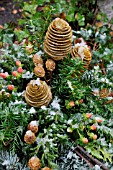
(70, 85)
(39, 53)
(70, 161)
(27, 75)
(55, 104)
(8, 161)
(35, 82)
(84, 32)
(32, 110)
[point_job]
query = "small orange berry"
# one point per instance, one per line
(88, 115)
(15, 73)
(72, 104)
(20, 70)
(94, 137)
(10, 87)
(85, 140)
(18, 63)
(99, 120)
(93, 127)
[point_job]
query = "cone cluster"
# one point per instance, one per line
(58, 39)
(38, 93)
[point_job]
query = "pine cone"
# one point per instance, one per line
(58, 39)
(34, 163)
(46, 168)
(38, 93)
(50, 64)
(37, 60)
(33, 126)
(39, 71)
(29, 137)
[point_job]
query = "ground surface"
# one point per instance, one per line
(106, 6)
(10, 11)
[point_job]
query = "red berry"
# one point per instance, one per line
(10, 87)
(18, 63)
(15, 73)
(88, 115)
(99, 120)
(72, 103)
(20, 70)
(85, 140)
(94, 137)
(4, 75)
(93, 127)
(81, 101)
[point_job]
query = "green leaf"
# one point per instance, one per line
(70, 17)
(106, 154)
(96, 153)
(31, 8)
(69, 129)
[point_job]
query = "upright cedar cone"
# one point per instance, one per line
(34, 163)
(29, 137)
(33, 126)
(58, 39)
(38, 93)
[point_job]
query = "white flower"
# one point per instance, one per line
(55, 103)
(32, 110)
(70, 85)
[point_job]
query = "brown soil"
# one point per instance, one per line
(10, 11)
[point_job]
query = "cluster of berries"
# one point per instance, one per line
(14, 73)
(92, 128)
